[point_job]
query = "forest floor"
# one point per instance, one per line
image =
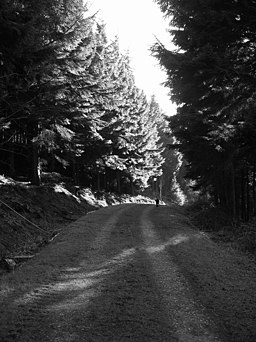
(222, 228)
(131, 272)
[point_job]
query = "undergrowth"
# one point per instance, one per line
(221, 226)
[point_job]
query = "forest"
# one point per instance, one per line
(212, 74)
(69, 103)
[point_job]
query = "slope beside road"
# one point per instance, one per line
(131, 273)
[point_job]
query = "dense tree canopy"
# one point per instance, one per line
(69, 102)
(211, 75)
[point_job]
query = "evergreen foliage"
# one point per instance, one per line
(68, 100)
(211, 76)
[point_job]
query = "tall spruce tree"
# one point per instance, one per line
(42, 33)
(211, 75)
(68, 100)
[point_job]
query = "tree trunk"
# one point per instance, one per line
(52, 162)
(160, 188)
(74, 169)
(233, 190)
(243, 207)
(12, 170)
(132, 186)
(98, 181)
(105, 182)
(35, 166)
(253, 189)
(118, 183)
(248, 206)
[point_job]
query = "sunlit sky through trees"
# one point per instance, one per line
(138, 23)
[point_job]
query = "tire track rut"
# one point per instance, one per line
(107, 278)
(188, 317)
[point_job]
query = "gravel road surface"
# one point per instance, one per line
(119, 274)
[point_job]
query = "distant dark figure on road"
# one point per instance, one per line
(157, 202)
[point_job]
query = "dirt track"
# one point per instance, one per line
(131, 273)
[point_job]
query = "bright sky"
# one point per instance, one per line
(137, 23)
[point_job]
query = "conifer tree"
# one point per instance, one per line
(69, 102)
(34, 90)
(211, 76)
